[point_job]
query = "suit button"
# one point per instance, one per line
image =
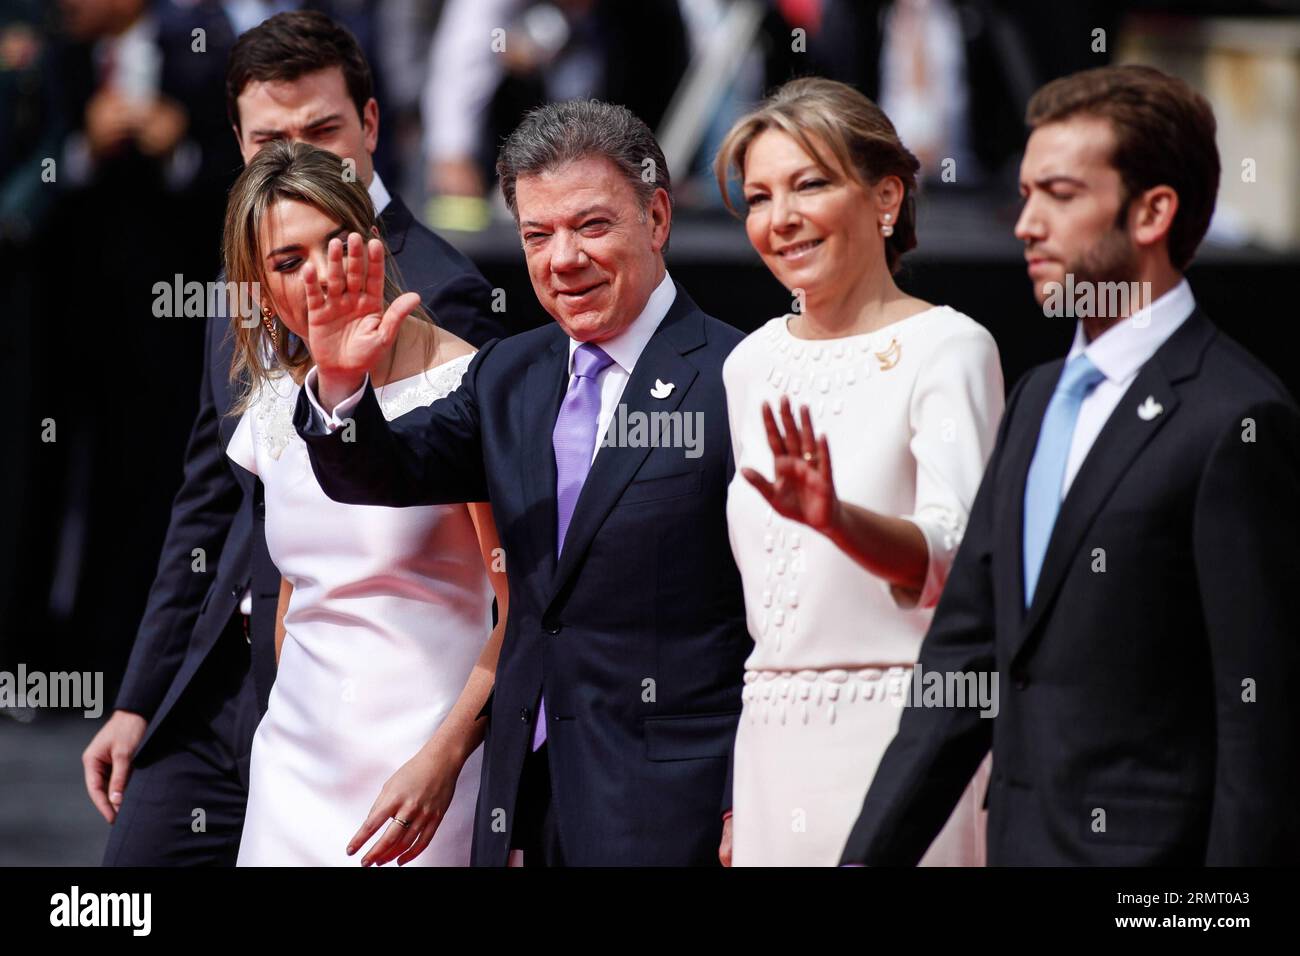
(524, 714)
(236, 592)
(551, 627)
(1020, 681)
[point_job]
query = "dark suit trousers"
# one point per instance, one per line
(537, 831)
(198, 762)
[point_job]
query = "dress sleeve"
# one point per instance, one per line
(241, 449)
(733, 386)
(956, 405)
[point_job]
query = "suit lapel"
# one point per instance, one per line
(681, 330)
(222, 354)
(539, 405)
(394, 222)
(1118, 445)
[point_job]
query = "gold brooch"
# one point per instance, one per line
(889, 357)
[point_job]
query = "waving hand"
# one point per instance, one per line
(348, 328)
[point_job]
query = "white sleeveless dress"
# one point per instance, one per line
(390, 610)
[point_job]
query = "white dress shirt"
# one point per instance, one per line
(379, 195)
(625, 349)
(1119, 353)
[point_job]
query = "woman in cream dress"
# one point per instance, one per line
(841, 565)
(384, 640)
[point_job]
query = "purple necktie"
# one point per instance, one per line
(574, 440)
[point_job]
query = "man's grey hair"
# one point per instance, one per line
(557, 134)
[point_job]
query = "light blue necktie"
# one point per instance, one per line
(1047, 470)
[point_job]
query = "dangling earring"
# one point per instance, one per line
(887, 230)
(269, 324)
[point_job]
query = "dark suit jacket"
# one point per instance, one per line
(1147, 711)
(637, 633)
(219, 506)
(452, 288)
(218, 509)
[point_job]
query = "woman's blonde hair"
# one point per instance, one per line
(863, 143)
(307, 174)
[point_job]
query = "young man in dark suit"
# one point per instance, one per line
(1129, 567)
(610, 728)
(203, 662)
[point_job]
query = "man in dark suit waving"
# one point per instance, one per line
(1129, 567)
(618, 688)
(203, 662)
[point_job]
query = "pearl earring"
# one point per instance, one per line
(887, 230)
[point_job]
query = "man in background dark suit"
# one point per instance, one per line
(1129, 567)
(202, 666)
(618, 687)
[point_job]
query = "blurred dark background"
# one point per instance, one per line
(101, 393)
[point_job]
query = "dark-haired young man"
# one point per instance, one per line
(203, 662)
(1129, 567)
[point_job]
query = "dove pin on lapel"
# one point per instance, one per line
(1149, 409)
(662, 389)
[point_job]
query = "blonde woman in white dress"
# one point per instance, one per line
(385, 641)
(841, 566)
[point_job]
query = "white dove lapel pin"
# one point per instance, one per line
(1149, 409)
(662, 389)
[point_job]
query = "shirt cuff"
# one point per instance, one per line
(323, 421)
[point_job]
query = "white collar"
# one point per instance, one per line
(1126, 346)
(626, 347)
(379, 195)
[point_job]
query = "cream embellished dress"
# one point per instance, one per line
(910, 412)
(390, 610)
